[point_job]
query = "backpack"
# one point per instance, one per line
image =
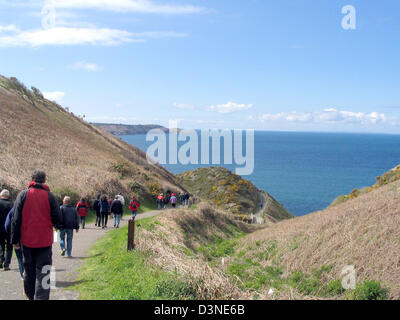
(134, 205)
(96, 204)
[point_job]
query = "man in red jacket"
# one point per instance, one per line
(36, 211)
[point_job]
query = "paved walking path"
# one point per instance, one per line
(11, 285)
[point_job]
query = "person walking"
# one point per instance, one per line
(96, 208)
(83, 209)
(160, 201)
(117, 209)
(187, 197)
(6, 248)
(36, 212)
(173, 200)
(166, 200)
(122, 199)
(134, 207)
(182, 198)
(104, 211)
(18, 252)
(70, 221)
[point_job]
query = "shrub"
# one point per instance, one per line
(175, 289)
(60, 193)
(123, 169)
(335, 288)
(369, 290)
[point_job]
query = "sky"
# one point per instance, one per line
(291, 65)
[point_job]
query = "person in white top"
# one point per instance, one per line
(121, 198)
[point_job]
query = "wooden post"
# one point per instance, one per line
(131, 235)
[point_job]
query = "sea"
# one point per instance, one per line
(307, 171)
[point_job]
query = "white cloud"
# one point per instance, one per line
(57, 96)
(230, 107)
(183, 106)
(66, 36)
(329, 116)
(140, 6)
(8, 28)
(87, 66)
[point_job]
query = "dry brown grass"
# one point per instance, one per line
(76, 155)
(172, 234)
(364, 232)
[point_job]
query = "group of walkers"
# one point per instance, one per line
(27, 226)
(163, 201)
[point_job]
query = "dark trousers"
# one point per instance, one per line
(98, 218)
(6, 250)
(83, 221)
(37, 264)
(104, 219)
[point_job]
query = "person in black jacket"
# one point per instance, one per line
(96, 207)
(36, 212)
(6, 247)
(117, 209)
(70, 221)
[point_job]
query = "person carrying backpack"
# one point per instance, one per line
(134, 207)
(96, 208)
(83, 209)
(36, 212)
(70, 221)
(117, 209)
(104, 211)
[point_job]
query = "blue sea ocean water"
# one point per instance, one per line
(307, 171)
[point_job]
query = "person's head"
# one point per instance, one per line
(5, 194)
(104, 198)
(39, 176)
(116, 198)
(67, 200)
(83, 200)
(98, 196)
(120, 194)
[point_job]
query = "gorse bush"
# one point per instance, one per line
(369, 290)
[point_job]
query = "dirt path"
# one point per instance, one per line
(66, 269)
(258, 219)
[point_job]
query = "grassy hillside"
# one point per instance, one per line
(309, 252)
(79, 158)
(220, 187)
(386, 178)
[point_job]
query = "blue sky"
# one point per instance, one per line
(260, 64)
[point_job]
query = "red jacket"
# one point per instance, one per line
(82, 208)
(36, 211)
(134, 202)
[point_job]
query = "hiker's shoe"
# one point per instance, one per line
(63, 252)
(7, 268)
(69, 257)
